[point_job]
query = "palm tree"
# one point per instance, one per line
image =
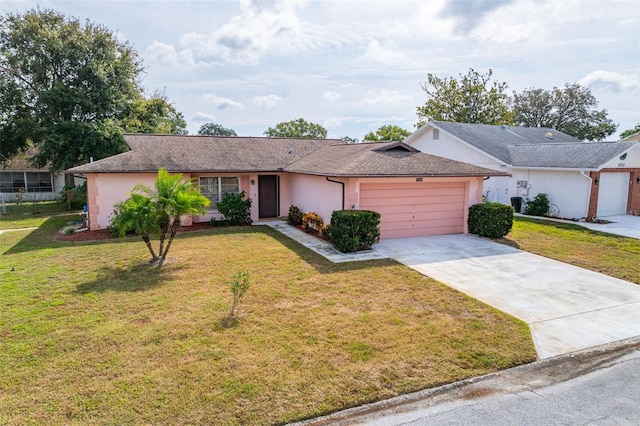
(158, 210)
(136, 215)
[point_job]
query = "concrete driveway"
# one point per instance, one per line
(567, 308)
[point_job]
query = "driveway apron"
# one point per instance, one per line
(567, 308)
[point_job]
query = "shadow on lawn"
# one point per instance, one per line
(45, 237)
(135, 278)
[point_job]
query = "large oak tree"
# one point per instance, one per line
(299, 128)
(472, 98)
(387, 132)
(64, 87)
(571, 109)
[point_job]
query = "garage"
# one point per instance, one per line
(613, 193)
(416, 209)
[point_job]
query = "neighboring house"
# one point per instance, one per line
(416, 193)
(19, 179)
(584, 179)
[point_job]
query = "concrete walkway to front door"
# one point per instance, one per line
(567, 308)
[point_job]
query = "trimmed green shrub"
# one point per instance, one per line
(295, 216)
(492, 220)
(235, 209)
(354, 230)
(539, 206)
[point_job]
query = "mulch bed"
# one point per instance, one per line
(103, 234)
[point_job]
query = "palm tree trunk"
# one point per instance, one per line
(150, 248)
(172, 234)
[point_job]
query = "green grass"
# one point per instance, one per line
(610, 254)
(29, 214)
(89, 334)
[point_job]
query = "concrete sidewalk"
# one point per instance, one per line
(567, 308)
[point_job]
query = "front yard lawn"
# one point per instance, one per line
(610, 254)
(91, 335)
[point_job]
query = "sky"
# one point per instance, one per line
(353, 66)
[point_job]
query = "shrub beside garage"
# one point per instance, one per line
(493, 220)
(354, 230)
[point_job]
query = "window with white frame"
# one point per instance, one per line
(214, 187)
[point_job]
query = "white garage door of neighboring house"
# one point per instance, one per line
(416, 209)
(613, 191)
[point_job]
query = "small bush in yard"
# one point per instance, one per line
(240, 283)
(312, 221)
(492, 220)
(235, 209)
(539, 206)
(295, 216)
(354, 230)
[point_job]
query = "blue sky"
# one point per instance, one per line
(354, 66)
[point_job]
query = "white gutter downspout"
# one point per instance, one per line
(583, 173)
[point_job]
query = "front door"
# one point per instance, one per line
(268, 196)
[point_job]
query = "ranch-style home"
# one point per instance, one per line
(584, 179)
(20, 180)
(416, 193)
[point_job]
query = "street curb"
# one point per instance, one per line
(547, 371)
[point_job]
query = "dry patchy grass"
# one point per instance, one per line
(91, 335)
(610, 254)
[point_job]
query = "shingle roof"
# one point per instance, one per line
(382, 159)
(325, 157)
(179, 153)
(495, 140)
(567, 155)
(21, 162)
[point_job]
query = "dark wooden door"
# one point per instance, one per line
(268, 196)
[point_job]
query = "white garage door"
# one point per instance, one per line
(416, 209)
(613, 192)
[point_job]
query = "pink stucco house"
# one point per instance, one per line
(417, 194)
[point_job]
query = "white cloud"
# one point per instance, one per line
(331, 96)
(268, 101)
(387, 97)
(333, 122)
(220, 102)
(202, 117)
(166, 54)
(613, 81)
(260, 28)
(389, 54)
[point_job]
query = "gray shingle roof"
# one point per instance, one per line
(567, 155)
(179, 153)
(382, 159)
(495, 140)
(325, 157)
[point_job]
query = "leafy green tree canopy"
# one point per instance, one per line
(570, 109)
(387, 132)
(64, 86)
(349, 139)
(213, 129)
(154, 115)
(472, 98)
(299, 128)
(630, 132)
